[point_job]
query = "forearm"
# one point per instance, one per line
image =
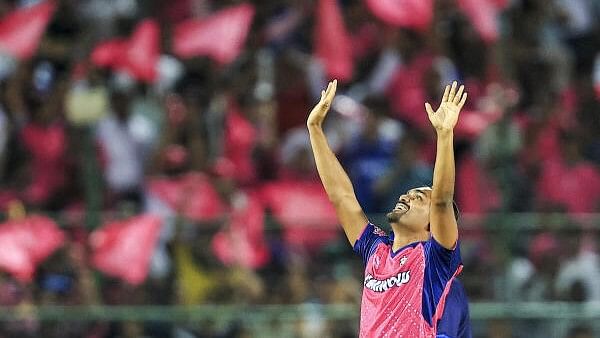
(335, 180)
(444, 170)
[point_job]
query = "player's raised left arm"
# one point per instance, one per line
(441, 219)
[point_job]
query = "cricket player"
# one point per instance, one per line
(409, 273)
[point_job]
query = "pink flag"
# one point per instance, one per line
(25, 243)
(192, 195)
(220, 36)
(483, 15)
(303, 208)
(123, 248)
(142, 52)
(332, 41)
(415, 14)
(138, 55)
(109, 53)
(472, 123)
(239, 140)
(22, 30)
(242, 242)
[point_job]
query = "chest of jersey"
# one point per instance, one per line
(392, 294)
(386, 272)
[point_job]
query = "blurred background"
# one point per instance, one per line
(156, 178)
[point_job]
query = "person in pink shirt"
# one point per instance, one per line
(408, 274)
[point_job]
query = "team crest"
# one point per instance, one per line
(377, 231)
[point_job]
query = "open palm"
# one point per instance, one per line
(446, 116)
(319, 112)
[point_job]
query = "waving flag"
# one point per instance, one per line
(414, 14)
(240, 137)
(26, 242)
(123, 248)
(332, 41)
(109, 53)
(242, 242)
(304, 210)
(483, 15)
(22, 30)
(192, 195)
(220, 36)
(143, 52)
(138, 56)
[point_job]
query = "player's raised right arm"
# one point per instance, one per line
(335, 180)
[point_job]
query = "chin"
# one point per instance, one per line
(393, 217)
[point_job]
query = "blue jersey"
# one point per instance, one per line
(455, 322)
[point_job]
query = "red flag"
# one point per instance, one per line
(243, 242)
(46, 228)
(109, 53)
(138, 56)
(415, 14)
(305, 211)
(472, 123)
(123, 248)
(483, 15)
(192, 195)
(240, 139)
(141, 55)
(220, 36)
(25, 243)
(22, 29)
(333, 43)
(501, 4)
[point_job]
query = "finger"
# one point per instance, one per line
(458, 96)
(446, 92)
(428, 109)
(322, 94)
(331, 90)
(452, 92)
(462, 101)
(333, 87)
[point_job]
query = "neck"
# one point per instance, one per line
(403, 237)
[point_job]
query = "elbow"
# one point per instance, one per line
(337, 199)
(442, 203)
(341, 198)
(442, 196)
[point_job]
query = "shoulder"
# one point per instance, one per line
(369, 240)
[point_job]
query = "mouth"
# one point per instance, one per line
(402, 207)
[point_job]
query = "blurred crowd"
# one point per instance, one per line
(86, 144)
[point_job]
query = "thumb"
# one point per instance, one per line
(429, 109)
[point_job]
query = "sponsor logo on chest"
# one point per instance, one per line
(382, 285)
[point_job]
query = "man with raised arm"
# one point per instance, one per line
(409, 273)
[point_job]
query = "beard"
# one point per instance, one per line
(394, 216)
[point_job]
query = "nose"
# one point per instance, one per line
(404, 198)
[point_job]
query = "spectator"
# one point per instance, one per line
(124, 170)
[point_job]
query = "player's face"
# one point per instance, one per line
(412, 209)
